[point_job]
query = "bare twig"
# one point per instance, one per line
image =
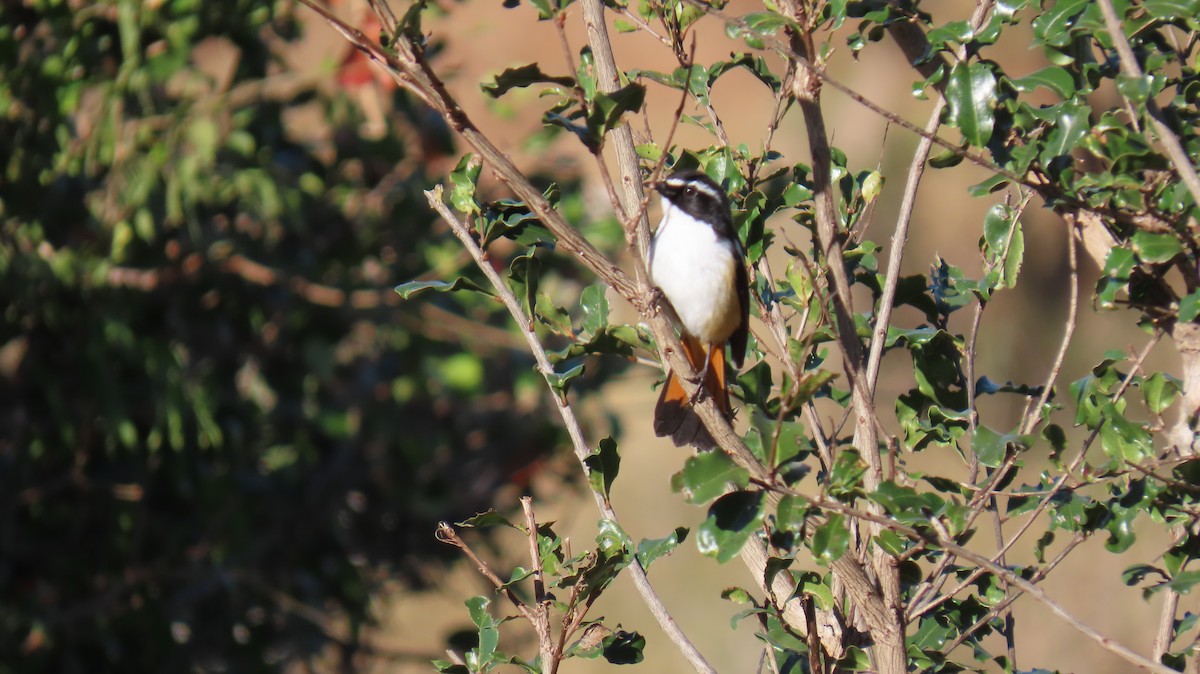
(447, 534)
(1031, 419)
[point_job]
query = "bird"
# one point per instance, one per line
(697, 262)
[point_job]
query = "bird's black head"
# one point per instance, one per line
(696, 194)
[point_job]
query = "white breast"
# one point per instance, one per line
(696, 271)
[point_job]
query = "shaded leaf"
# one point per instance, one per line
(603, 464)
(520, 77)
(414, 288)
(731, 520)
(971, 98)
(707, 475)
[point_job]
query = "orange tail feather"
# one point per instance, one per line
(673, 415)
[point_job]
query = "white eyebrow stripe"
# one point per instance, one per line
(698, 185)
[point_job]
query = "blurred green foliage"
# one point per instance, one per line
(218, 434)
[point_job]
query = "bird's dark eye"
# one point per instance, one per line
(689, 190)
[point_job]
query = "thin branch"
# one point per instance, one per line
(916, 170)
(582, 451)
(1005, 603)
(447, 534)
(944, 542)
(551, 655)
(1130, 67)
(1031, 419)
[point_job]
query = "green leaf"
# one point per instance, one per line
(490, 518)
(1069, 124)
(1156, 247)
(707, 475)
(830, 540)
(1052, 27)
(812, 584)
(846, 474)
(561, 381)
(520, 77)
(607, 110)
(1183, 582)
(1170, 10)
(463, 178)
(989, 446)
(1189, 307)
(791, 513)
(1117, 269)
(1160, 390)
(648, 151)
(624, 648)
(732, 519)
(1004, 251)
(971, 99)
(489, 635)
(737, 595)
(650, 550)
(1123, 439)
(595, 308)
(613, 541)
(766, 23)
(414, 288)
(1056, 79)
(603, 464)
(1136, 89)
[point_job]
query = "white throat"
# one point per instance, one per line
(696, 270)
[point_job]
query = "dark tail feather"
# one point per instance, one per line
(674, 416)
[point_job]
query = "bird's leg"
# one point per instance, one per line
(701, 389)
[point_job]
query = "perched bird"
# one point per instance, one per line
(697, 262)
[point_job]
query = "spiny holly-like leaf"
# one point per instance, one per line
(971, 95)
(522, 76)
(414, 288)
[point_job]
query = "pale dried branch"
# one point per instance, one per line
(582, 451)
